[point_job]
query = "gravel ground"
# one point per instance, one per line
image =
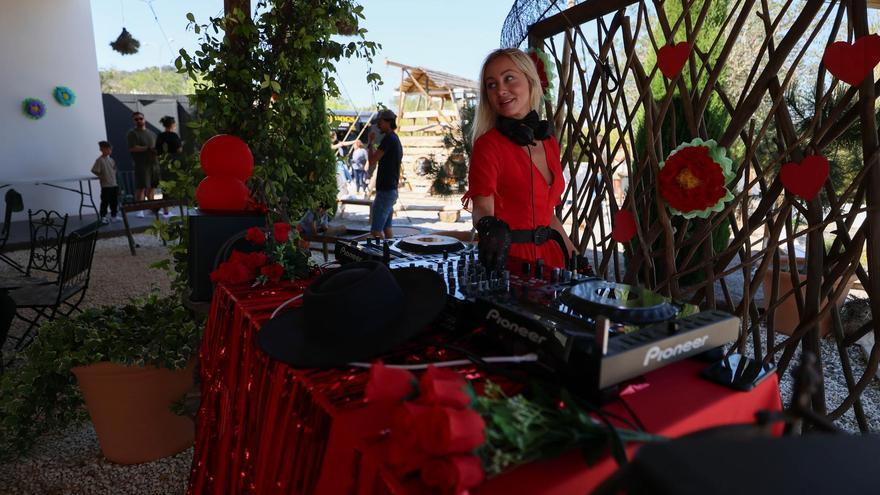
(70, 461)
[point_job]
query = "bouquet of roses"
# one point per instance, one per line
(454, 438)
(279, 258)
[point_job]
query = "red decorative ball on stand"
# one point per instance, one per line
(225, 155)
(222, 194)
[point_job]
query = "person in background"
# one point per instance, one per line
(168, 146)
(105, 169)
(314, 221)
(359, 160)
(388, 157)
(142, 146)
(343, 175)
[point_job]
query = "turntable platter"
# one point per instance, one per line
(620, 302)
(429, 244)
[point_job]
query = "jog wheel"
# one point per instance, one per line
(620, 303)
(429, 244)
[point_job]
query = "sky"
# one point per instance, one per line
(448, 35)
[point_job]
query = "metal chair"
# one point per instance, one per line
(64, 296)
(47, 239)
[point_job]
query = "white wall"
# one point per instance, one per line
(48, 43)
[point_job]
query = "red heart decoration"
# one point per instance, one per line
(805, 179)
(852, 63)
(624, 226)
(671, 58)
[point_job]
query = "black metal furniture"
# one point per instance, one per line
(13, 203)
(63, 297)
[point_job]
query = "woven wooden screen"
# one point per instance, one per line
(616, 126)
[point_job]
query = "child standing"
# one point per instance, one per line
(105, 169)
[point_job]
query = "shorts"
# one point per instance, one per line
(146, 176)
(383, 210)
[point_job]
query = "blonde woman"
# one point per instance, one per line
(515, 178)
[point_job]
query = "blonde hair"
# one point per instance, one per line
(485, 117)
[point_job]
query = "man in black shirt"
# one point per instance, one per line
(388, 155)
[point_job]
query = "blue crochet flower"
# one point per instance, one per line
(34, 108)
(64, 96)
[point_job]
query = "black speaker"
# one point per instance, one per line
(207, 234)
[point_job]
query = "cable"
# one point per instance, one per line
(161, 30)
(524, 358)
(532, 188)
(285, 303)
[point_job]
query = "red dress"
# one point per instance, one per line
(502, 169)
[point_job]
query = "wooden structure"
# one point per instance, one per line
(438, 97)
(604, 52)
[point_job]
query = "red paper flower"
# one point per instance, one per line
(404, 453)
(443, 387)
(453, 474)
(281, 231)
(251, 260)
(389, 384)
(542, 70)
(691, 180)
(443, 430)
(256, 236)
(273, 272)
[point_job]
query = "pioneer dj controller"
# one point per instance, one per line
(592, 333)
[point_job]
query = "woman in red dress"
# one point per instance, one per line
(515, 178)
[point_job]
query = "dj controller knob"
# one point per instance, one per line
(526, 269)
(554, 275)
(445, 255)
(539, 268)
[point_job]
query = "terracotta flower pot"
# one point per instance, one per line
(787, 317)
(130, 408)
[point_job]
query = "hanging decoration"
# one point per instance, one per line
(34, 108)
(693, 179)
(125, 44)
(851, 63)
(671, 58)
(545, 70)
(805, 179)
(64, 96)
(624, 226)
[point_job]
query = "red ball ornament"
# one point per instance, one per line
(217, 193)
(227, 156)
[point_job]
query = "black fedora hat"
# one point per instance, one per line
(352, 313)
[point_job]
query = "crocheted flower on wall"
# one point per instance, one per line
(34, 108)
(64, 96)
(693, 179)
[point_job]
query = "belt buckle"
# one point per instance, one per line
(542, 234)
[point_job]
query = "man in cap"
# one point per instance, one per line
(388, 155)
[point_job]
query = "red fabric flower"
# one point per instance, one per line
(453, 474)
(542, 71)
(281, 231)
(443, 387)
(389, 384)
(443, 430)
(691, 180)
(256, 236)
(233, 272)
(251, 260)
(273, 272)
(404, 453)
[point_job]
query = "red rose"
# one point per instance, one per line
(273, 272)
(404, 453)
(281, 231)
(232, 272)
(443, 387)
(453, 474)
(391, 384)
(690, 180)
(251, 260)
(443, 430)
(256, 236)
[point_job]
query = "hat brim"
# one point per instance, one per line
(286, 337)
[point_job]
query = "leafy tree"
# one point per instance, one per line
(151, 80)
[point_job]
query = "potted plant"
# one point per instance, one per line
(128, 364)
(787, 318)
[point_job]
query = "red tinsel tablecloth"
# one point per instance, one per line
(266, 428)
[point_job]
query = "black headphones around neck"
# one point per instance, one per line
(524, 131)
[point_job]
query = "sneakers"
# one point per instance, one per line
(140, 214)
(105, 221)
(115, 219)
